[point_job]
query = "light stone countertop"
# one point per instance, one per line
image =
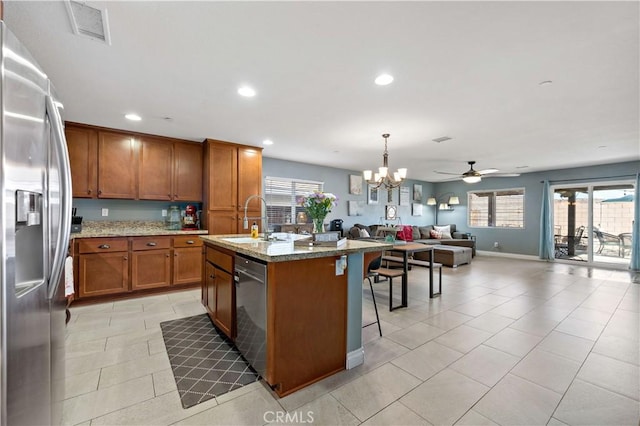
(283, 251)
(128, 228)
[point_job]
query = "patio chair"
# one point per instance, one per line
(562, 243)
(609, 240)
(626, 243)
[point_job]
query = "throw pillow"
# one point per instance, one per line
(425, 231)
(435, 234)
(445, 231)
(415, 232)
(364, 233)
(408, 233)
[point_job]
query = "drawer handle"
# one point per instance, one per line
(190, 242)
(212, 276)
(152, 244)
(104, 246)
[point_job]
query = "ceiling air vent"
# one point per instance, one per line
(442, 139)
(89, 21)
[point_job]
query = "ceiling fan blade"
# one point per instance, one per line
(488, 171)
(504, 175)
(446, 173)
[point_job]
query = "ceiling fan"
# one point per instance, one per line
(474, 176)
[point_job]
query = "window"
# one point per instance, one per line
(500, 209)
(281, 193)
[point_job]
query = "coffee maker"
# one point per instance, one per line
(190, 220)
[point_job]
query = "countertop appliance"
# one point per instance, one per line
(251, 311)
(35, 188)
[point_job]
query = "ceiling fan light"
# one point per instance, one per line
(431, 201)
(454, 200)
(402, 172)
(472, 179)
(367, 174)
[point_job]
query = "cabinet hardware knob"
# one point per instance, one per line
(88, 191)
(99, 191)
(212, 276)
(169, 195)
(152, 244)
(104, 246)
(167, 255)
(125, 258)
(175, 255)
(190, 242)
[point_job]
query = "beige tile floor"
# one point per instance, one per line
(508, 342)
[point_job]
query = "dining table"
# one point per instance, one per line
(407, 249)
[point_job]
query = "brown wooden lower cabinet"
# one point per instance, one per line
(111, 266)
(220, 303)
(103, 274)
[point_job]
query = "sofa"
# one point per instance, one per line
(419, 234)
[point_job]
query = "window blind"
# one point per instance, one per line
(280, 195)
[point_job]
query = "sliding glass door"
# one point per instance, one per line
(592, 222)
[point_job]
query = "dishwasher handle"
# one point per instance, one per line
(248, 274)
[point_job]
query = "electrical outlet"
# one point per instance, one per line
(164, 212)
(105, 212)
(496, 245)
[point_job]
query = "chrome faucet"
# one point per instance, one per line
(265, 218)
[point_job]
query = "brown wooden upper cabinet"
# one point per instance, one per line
(82, 143)
(117, 165)
(232, 173)
(113, 164)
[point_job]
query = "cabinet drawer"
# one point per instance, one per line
(187, 241)
(151, 243)
(220, 259)
(102, 245)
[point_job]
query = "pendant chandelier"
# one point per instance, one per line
(382, 179)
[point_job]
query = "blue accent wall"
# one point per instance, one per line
(523, 241)
(336, 181)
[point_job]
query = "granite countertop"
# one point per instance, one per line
(128, 228)
(283, 251)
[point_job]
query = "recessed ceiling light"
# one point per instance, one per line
(133, 117)
(384, 79)
(267, 142)
(545, 83)
(246, 91)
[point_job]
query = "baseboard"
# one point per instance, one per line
(509, 255)
(355, 358)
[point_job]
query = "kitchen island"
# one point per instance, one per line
(312, 318)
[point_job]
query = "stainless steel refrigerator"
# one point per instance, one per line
(35, 217)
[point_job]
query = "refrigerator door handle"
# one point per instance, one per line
(62, 243)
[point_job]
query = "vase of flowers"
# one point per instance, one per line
(318, 205)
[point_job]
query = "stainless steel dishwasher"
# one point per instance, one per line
(251, 311)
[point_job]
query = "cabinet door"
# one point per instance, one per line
(105, 273)
(223, 181)
(150, 269)
(187, 172)
(224, 313)
(223, 222)
(117, 166)
(83, 156)
(155, 170)
(249, 177)
(187, 265)
(210, 288)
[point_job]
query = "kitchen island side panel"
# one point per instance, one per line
(306, 322)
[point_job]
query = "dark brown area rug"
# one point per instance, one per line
(205, 363)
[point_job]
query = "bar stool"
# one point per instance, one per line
(375, 264)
